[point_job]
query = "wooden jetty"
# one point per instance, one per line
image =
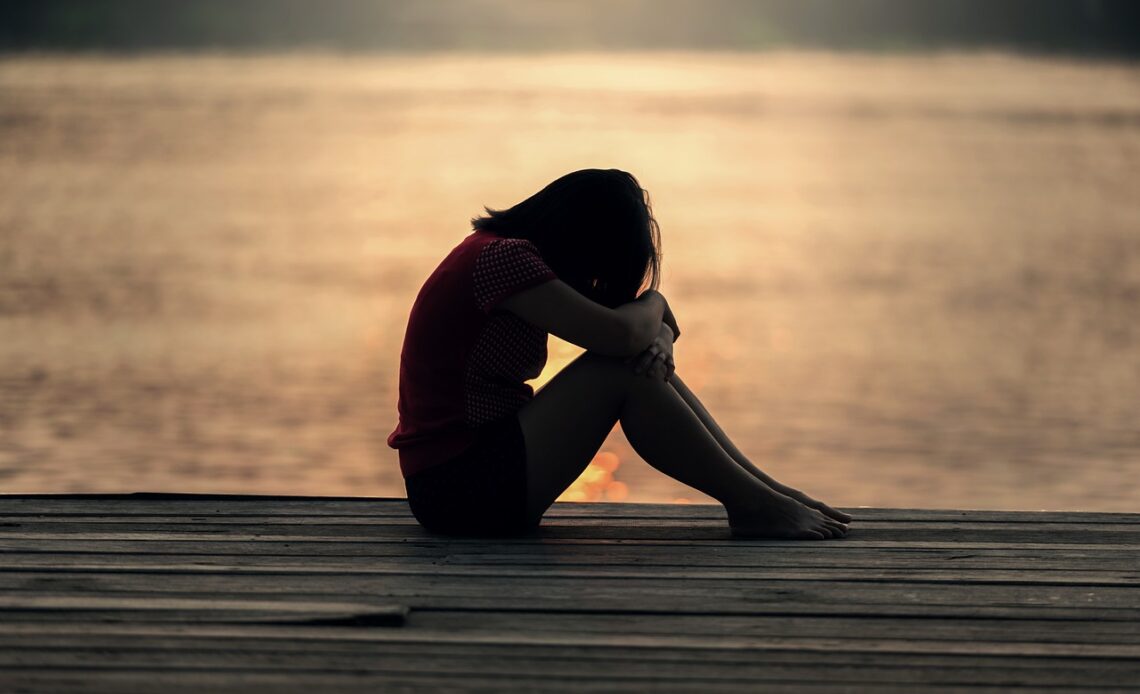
(206, 593)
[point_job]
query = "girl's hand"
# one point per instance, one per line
(657, 360)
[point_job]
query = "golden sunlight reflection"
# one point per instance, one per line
(597, 483)
(559, 354)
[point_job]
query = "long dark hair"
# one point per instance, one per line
(594, 228)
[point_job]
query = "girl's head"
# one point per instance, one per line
(595, 229)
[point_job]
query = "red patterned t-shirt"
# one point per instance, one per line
(464, 363)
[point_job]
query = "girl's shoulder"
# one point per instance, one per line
(483, 239)
(491, 260)
(481, 248)
(504, 266)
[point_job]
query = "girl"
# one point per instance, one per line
(481, 453)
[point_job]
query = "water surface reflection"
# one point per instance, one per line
(907, 281)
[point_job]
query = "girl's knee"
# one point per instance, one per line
(617, 366)
(620, 370)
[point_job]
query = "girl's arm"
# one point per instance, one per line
(559, 309)
(671, 321)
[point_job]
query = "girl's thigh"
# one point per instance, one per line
(482, 492)
(567, 422)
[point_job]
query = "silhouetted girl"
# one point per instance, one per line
(481, 453)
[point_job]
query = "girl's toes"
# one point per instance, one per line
(835, 514)
(832, 513)
(832, 529)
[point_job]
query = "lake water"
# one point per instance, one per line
(903, 280)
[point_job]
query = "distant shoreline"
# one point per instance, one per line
(324, 53)
(1035, 27)
(317, 51)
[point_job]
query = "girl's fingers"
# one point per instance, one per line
(647, 362)
(643, 362)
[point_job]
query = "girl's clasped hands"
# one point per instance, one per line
(657, 359)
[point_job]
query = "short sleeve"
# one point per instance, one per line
(505, 267)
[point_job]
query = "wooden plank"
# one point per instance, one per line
(211, 609)
(646, 595)
(368, 529)
(162, 504)
(731, 647)
(523, 585)
(722, 649)
(1053, 619)
(848, 628)
(418, 567)
(614, 663)
(685, 534)
(751, 553)
(707, 663)
(175, 522)
(216, 545)
(980, 563)
(1056, 617)
(822, 626)
(92, 680)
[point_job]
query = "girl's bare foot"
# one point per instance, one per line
(783, 518)
(834, 514)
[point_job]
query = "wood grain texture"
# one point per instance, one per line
(187, 593)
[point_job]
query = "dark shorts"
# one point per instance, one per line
(482, 492)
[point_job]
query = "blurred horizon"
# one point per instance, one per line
(1078, 27)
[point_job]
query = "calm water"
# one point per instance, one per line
(907, 281)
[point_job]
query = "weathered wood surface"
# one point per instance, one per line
(193, 593)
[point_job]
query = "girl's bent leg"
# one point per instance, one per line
(735, 453)
(564, 426)
(567, 421)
